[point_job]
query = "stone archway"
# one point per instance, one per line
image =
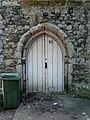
(52, 30)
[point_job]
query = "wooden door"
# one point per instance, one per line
(44, 66)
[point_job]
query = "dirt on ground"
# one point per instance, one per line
(53, 107)
(6, 114)
(48, 107)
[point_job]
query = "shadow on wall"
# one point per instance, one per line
(50, 2)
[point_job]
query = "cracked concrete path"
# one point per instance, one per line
(44, 107)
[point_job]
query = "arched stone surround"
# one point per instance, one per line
(54, 32)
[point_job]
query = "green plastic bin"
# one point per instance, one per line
(11, 89)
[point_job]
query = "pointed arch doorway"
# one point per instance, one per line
(45, 65)
(37, 57)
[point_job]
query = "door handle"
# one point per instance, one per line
(45, 65)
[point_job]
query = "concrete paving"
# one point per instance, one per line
(54, 108)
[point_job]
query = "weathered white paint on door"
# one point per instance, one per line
(44, 66)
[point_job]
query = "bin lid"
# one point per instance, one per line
(10, 76)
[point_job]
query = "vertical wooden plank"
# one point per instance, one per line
(40, 65)
(35, 75)
(55, 72)
(29, 81)
(46, 55)
(60, 79)
(49, 64)
(43, 64)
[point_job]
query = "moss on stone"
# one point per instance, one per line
(81, 94)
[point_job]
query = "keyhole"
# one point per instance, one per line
(45, 65)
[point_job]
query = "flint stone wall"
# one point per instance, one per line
(16, 19)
